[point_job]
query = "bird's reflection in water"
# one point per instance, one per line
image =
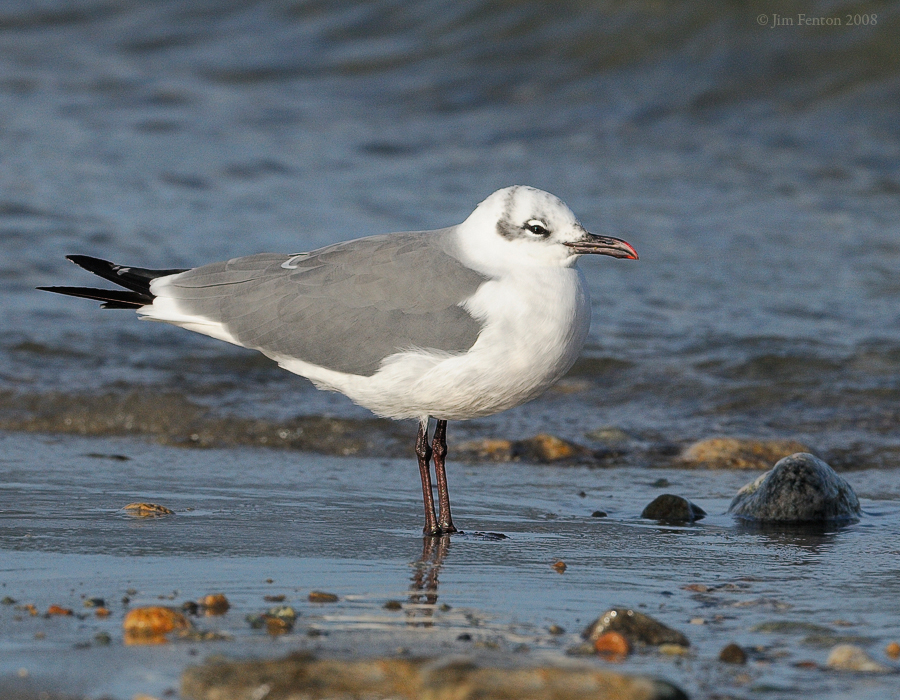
(423, 593)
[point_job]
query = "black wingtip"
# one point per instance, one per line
(111, 298)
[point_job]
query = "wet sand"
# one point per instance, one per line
(251, 523)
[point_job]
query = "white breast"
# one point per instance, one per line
(536, 322)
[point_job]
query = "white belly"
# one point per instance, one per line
(536, 322)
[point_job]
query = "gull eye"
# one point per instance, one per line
(538, 228)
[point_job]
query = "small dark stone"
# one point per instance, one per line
(393, 605)
(636, 627)
(799, 488)
(672, 509)
(190, 607)
(733, 654)
(598, 514)
(95, 603)
(555, 630)
(464, 637)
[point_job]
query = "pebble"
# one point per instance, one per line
(556, 630)
(669, 508)
(278, 620)
(612, 646)
(799, 488)
(598, 514)
(636, 627)
(58, 610)
(737, 453)
(322, 597)
(547, 448)
(393, 605)
(893, 650)
(215, 604)
(560, 566)
(277, 625)
(149, 625)
(733, 654)
(849, 657)
(540, 448)
(147, 510)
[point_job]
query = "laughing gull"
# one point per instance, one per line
(452, 324)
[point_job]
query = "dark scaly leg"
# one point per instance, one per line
(423, 452)
(439, 448)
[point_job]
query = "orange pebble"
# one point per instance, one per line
(101, 612)
(147, 510)
(612, 645)
(893, 650)
(560, 566)
(153, 620)
(276, 626)
(57, 610)
(215, 604)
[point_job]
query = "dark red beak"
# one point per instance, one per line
(603, 245)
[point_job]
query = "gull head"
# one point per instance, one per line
(526, 226)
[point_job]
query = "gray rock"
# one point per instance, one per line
(636, 627)
(800, 488)
(672, 509)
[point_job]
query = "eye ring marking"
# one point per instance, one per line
(537, 227)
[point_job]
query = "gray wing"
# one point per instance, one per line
(345, 307)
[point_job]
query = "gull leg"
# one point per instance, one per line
(439, 448)
(423, 452)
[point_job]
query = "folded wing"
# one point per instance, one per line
(345, 307)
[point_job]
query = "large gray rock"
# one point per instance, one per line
(800, 488)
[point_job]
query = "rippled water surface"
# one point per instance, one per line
(755, 167)
(254, 522)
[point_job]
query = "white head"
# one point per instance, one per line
(522, 225)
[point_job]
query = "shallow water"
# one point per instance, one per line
(755, 168)
(255, 522)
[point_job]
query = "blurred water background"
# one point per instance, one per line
(754, 166)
